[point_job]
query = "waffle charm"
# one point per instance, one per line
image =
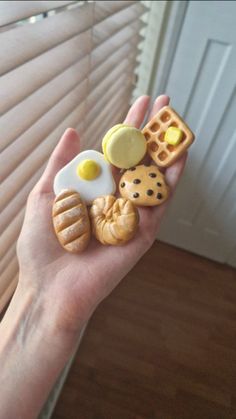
(168, 137)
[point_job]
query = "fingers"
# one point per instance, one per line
(160, 101)
(137, 112)
(174, 172)
(66, 150)
(172, 177)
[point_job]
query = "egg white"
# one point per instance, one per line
(67, 178)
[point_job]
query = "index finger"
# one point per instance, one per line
(137, 112)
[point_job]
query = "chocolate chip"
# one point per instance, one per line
(132, 169)
(159, 195)
(149, 192)
(158, 184)
(152, 174)
(136, 195)
(122, 185)
(136, 181)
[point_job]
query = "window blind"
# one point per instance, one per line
(62, 64)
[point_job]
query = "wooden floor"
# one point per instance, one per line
(163, 345)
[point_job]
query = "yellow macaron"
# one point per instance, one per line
(124, 146)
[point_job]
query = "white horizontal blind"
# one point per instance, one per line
(114, 51)
(150, 51)
(13, 11)
(69, 64)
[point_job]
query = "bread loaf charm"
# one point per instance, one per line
(71, 221)
(144, 186)
(114, 220)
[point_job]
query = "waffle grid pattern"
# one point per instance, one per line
(161, 152)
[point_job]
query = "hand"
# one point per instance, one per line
(72, 285)
(58, 291)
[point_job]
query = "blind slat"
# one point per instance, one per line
(12, 11)
(26, 113)
(39, 155)
(18, 200)
(117, 82)
(5, 297)
(106, 82)
(10, 254)
(26, 142)
(24, 80)
(108, 46)
(10, 234)
(112, 118)
(95, 124)
(23, 43)
(108, 65)
(105, 116)
(10, 272)
(116, 117)
(103, 9)
(113, 24)
(121, 84)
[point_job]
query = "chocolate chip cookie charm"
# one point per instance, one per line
(144, 186)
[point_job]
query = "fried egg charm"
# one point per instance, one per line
(89, 174)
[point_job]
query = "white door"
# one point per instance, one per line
(201, 83)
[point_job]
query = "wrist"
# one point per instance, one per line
(33, 351)
(32, 314)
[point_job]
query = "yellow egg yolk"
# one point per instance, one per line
(88, 170)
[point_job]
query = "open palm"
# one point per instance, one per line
(74, 284)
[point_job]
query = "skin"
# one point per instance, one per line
(58, 292)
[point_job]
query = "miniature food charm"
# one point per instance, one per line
(124, 146)
(71, 221)
(173, 136)
(88, 170)
(114, 220)
(89, 174)
(144, 186)
(168, 137)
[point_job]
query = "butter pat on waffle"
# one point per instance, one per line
(160, 144)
